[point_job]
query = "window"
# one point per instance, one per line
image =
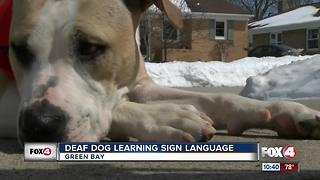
(279, 38)
(313, 38)
(250, 40)
(273, 38)
(276, 38)
(170, 33)
(221, 29)
(218, 30)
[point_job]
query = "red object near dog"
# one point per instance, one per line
(5, 19)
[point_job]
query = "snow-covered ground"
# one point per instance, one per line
(213, 74)
(299, 80)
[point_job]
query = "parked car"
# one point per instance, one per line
(276, 50)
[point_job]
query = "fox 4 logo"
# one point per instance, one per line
(43, 151)
(288, 152)
(40, 151)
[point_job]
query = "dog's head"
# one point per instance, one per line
(70, 58)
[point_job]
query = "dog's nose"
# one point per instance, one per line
(42, 122)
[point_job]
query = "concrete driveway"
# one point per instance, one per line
(12, 165)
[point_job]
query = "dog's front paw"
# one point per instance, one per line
(293, 120)
(171, 122)
(163, 122)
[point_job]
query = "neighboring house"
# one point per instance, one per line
(298, 28)
(213, 30)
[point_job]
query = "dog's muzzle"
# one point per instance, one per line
(42, 122)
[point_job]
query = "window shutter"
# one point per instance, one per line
(230, 27)
(212, 28)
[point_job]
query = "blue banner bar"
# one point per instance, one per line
(158, 147)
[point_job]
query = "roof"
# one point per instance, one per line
(214, 6)
(300, 18)
(210, 9)
(207, 6)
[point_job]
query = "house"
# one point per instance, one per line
(298, 28)
(213, 30)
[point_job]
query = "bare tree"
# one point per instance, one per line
(264, 8)
(167, 31)
(145, 36)
(296, 3)
(259, 8)
(222, 48)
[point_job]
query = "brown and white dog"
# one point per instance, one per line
(80, 77)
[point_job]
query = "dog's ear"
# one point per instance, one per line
(173, 13)
(137, 7)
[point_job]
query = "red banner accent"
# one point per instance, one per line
(289, 167)
(5, 20)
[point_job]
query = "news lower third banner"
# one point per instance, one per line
(141, 152)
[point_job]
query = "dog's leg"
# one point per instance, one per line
(160, 122)
(9, 102)
(236, 113)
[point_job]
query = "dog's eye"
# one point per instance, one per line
(23, 54)
(87, 51)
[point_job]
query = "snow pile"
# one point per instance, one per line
(299, 80)
(298, 16)
(215, 73)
